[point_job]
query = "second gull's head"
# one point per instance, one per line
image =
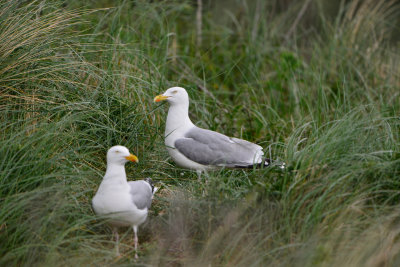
(174, 95)
(120, 155)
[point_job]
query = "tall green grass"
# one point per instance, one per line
(320, 92)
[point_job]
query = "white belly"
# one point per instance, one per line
(117, 204)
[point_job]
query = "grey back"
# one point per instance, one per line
(141, 193)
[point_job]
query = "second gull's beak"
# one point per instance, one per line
(132, 158)
(160, 98)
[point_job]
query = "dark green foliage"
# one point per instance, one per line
(77, 78)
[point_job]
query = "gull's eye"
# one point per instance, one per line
(116, 151)
(174, 92)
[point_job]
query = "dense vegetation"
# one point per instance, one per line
(315, 83)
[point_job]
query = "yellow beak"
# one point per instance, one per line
(132, 158)
(160, 98)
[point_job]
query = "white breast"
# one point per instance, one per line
(114, 200)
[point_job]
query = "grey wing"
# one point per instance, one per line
(141, 194)
(211, 148)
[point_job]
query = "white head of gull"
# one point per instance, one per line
(199, 149)
(123, 203)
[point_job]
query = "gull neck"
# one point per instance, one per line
(178, 117)
(116, 172)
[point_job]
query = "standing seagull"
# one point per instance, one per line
(199, 149)
(124, 203)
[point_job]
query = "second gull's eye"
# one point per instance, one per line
(174, 92)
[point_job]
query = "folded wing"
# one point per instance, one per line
(211, 148)
(141, 194)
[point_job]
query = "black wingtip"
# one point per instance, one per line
(276, 163)
(151, 183)
(266, 163)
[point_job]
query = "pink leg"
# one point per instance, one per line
(115, 233)
(135, 228)
(198, 176)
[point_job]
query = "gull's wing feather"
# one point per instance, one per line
(211, 148)
(141, 194)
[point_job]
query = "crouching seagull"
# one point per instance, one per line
(199, 149)
(123, 203)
